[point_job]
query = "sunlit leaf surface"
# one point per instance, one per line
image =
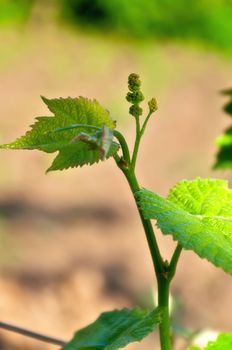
(198, 214)
(51, 134)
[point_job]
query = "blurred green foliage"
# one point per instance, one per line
(14, 11)
(204, 21)
(224, 141)
(207, 21)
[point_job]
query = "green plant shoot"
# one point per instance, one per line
(198, 213)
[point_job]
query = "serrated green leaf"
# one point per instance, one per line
(79, 154)
(115, 329)
(198, 214)
(68, 111)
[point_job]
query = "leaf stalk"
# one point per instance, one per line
(174, 261)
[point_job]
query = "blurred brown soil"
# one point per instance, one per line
(72, 245)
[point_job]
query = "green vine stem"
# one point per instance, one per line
(164, 271)
(158, 263)
(163, 301)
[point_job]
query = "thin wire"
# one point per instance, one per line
(31, 334)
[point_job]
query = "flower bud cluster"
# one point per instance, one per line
(134, 96)
(134, 82)
(152, 104)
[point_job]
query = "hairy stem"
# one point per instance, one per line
(31, 334)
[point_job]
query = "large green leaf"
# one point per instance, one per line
(73, 151)
(115, 329)
(223, 342)
(198, 214)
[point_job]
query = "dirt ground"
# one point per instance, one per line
(72, 245)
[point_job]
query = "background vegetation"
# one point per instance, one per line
(207, 21)
(204, 21)
(15, 11)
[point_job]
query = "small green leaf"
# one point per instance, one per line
(228, 108)
(224, 155)
(198, 214)
(115, 329)
(223, 342)
(56, 133)
(224, 142)
(227, 92)
(224, 158)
